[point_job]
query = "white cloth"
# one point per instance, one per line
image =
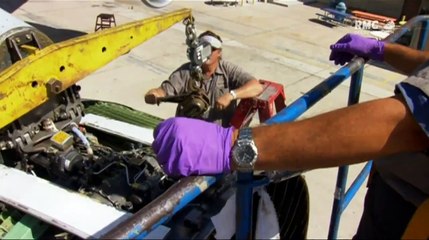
(214, 42)
(267, 224)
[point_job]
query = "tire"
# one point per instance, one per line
(291, 201)
(157, 3)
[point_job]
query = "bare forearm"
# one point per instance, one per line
(346, 136)
(152, 95)
(403, 58)
(251, 89)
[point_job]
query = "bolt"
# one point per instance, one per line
(9, 145)
(54, 86)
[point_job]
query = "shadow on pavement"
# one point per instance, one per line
(222, 3)
(278, 3)
(314, 3)
(324, 23)
(55, 34)
(11, 5)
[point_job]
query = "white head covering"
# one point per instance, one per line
(214, 42)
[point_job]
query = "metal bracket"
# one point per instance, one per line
(22, 44)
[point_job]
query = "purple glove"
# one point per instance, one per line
(352, 44)
(187, 146)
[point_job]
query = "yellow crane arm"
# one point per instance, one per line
(31, 81)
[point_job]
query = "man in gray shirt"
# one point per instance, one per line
(223, 82)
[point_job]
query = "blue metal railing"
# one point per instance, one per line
(354, 69)
(339, 195)
(342, 198)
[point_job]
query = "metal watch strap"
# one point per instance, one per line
(245, 134)
(245, 141)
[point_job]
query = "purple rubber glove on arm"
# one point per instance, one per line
(352, 44)
(187, 146)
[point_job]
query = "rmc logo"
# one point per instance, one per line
(373, 25)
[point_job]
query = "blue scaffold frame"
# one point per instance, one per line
(342, 198)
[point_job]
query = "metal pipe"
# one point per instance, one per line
(354, 94)
(342, 200)
(244, 203)
(82, 137)
(338, 195)
(423, 35)
(406, 28)
(302, 104)
(355, 87)
(357, 183)
(161, 209)
(293, 111)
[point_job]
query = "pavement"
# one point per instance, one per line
(278, 41)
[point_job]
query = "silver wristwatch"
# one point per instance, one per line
(244, 151)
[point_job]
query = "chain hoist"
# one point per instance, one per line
(195, 101)
(197, 52)
(193, 53)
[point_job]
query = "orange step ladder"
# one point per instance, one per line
(268, 103)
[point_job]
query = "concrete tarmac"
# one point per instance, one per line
(281, 42)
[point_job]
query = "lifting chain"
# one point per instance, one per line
(197, 102)
(193, 44)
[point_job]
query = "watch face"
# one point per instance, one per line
(244, 154)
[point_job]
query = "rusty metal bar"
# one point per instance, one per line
(161, 209)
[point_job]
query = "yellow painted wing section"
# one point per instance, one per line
(29, 82)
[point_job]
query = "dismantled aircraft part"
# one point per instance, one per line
(18, 40)
(56, 148)
(17, 225)
(31, 130)
(46, 133)
(68, 210)
(114, 189)
(192, 104)
(195, 105)
(157, 3)
(42, 69)
(39, 129)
